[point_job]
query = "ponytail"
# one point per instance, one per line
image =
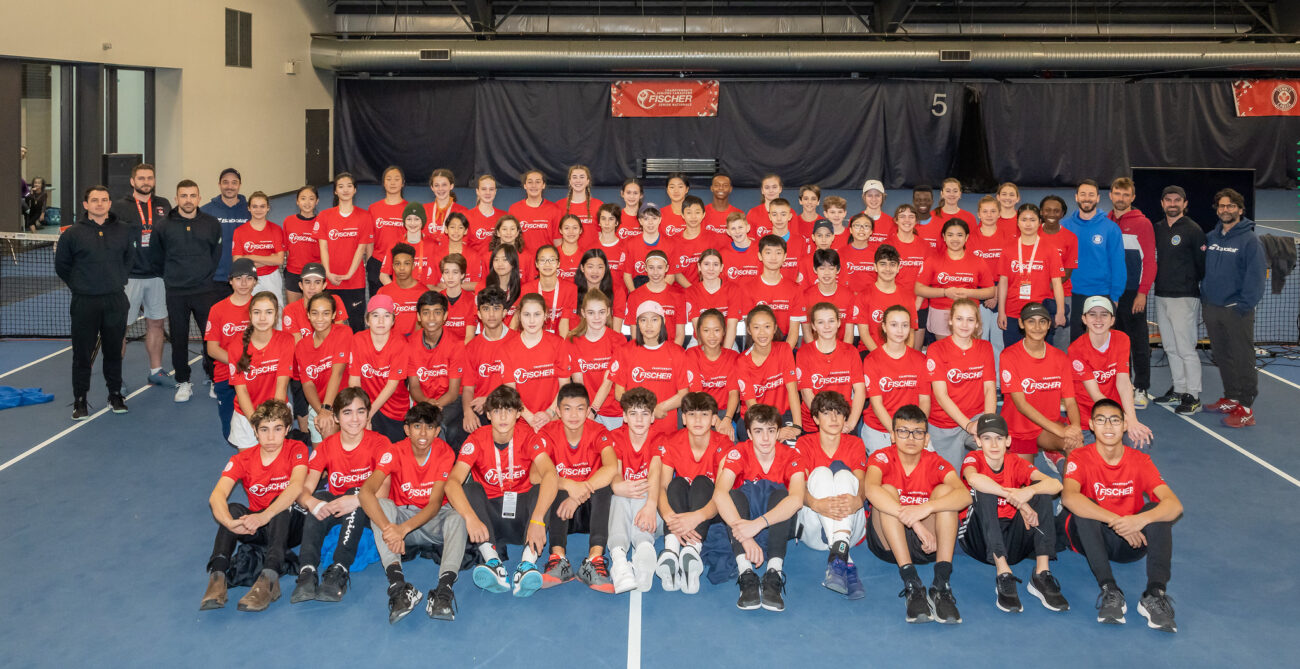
(246, 357)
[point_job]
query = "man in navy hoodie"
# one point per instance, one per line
(1101, 268)
(1140, 267)
(1232, 287)
(231, 210)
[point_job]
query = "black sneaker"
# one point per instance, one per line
(116, 403)
(1047, 589)
(442, 600)
(401, 601)
(919, 609)
(1008, 595)
(333, 584)
(1188, 405)
(1170, 397)
(750, 598)
(774, 590)
(945, 605)
(80, 409)
(306, 589)
(1110, 605)
(1158, 608)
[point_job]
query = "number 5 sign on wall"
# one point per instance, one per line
(939, 105)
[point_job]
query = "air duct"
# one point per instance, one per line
(553, 56)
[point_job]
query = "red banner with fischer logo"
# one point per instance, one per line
(1267, 97)
(658, 99)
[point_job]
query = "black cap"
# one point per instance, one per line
(313, 269)
(230, 170)
(991, 422)
(823, 223)
(1034, 309)
(649, 207)
(1173, 190)
(243, 267)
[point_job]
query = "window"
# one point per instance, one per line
(239, 38)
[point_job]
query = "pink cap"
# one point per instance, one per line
(650, 307)
(381, 302)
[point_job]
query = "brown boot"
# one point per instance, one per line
(260, 596)
(215, 596)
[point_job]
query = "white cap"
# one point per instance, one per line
(873, 184)
(1098, 301)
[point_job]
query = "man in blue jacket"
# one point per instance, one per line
(231, 210)
(1232, 287)
(1101, 268)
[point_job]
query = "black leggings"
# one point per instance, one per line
(691, 495)
(1100, 545)
(777, 533)
(591, 517)
(282, 533)
(986, 537)
(502, 530)
(314, 531)
(373, 265)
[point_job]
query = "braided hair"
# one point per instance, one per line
(246, 358)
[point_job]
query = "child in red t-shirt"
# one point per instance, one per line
(652, 362)
(1036, 381)
(766, 372)
(263, 242)
(300, 246)
(710, 368)
(895, 375)
(404, 289)
(781, 294)
(537, 217)
(826, 363)
(953, 273)
(633, 195)
(319, 361)
(538, 364)
(1100, 362)
(436, 365)
(634, 506)
(261, 365)
(691, 242)
(660, 289)
(760, 216)
(857, 256)
(640, 247)
(833, 517)
(377, 365)
(870, 304)
(739, 252)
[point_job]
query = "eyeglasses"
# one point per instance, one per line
(547, 261)
(1108, 420)
(904, 433)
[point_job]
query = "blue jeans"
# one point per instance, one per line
(225, 405)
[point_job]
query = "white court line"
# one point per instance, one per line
(634, 630)
(1289, 383)
(1286, 230)
(22, 456)
(1258, 460)
(36, 361)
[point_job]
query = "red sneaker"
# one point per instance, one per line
(1224, 405)
(1241, 417)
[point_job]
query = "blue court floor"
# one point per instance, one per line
(107, 532)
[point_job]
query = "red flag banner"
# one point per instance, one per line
(1267, 97)
(658, 99)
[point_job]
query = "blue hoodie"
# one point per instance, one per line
(230, 218)
(1234, 267)
(1101, 268)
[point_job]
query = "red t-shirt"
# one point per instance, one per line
(870, 305)
(348, 469)
(963, 372)
(671, 223)
(897, 382)
(943, 271)
(785, 298)
(502, 470)
(312, 363)
(568, 267)
(913, 487)
(632, 463)
(857, 267)
(249, 242)
(686, 252)
(435, 368)
(266, 365)
(561, 302)
(485, 366)
(424, 265)
(1044, 382)
(410, 482)
(843, 299)
(538, 370)
(742, 461)
(882, 225)
(481, 227)
(294, 320)
(462, 314)
(587, 212)
(226, 324)
(404, 300)
(938, 217)
(675, 451)
(592, 359)
(716, 221)
(819, 372)
(738, 265)
(615, 258)
(849, 450)
(437, 218)
(1009, 225)
(661, 370)
(342, 236)
(760, 222)
(1104, 367)
(672, 299)
(715, 377)
(629, 226)
(698, 299)
(263, 483)
(576, 462)
(299, 242)
(911, 259)
(390, 227)
(766, 383)
(1067, 244)
(376, 368)
(1016, 473)
(1045, 266)
(796, 248)
(537, 224)
(1118, 488)
(990, 248)
(637, 249)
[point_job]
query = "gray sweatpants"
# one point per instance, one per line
(623, 532)
(447, 529)
(950, 443)
(1179, 318)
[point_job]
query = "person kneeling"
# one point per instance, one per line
(272, 476)
(760, 488)
(915, 496)
(690, 466)
(1012, 516)
(404, 499)
(1107, 518)
(504, 504)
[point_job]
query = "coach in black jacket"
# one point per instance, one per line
(94, 257)
(186, 250)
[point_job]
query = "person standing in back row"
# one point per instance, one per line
(1140, 267)
(231, 211)
(94, 257)
(144, 287)
(1101, 268)
(1232, 287)
(1180, 266)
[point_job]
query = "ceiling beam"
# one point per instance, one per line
(480, 13)
(888, 15)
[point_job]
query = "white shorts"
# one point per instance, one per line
(273, 282)
(242, 434)
(148, 293)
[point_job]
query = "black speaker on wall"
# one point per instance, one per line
(116, 172)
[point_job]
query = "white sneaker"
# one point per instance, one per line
(620, 572)
(183, 392)
(643, 565)
(212, 390)
(692, 567)
(1141, 399)
(668, 568)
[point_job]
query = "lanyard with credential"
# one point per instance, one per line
(496, 452)
(148, 205)
(1026, 270)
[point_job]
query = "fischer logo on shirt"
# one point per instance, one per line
(369, 371)
(911, 262)
(258, 489)
(522, 375)
(1006, 376)
(687, 259)
(741, 272)
(912, 500)
(337, 234)
(386, 458)
(820, 381)
(958, 376)
(491, 368)
(859, 267)
(1031, 386)
(882, 457)
(630, 474)
(424, 374)
(1103, 376)
(596, 366)
(715, 383)
(254, 372)
(888, 384)
(1018, 267)
(572, 472)
(342, 480)
(638, 267)
(624, 233)
(314, 371)
(414, 492)
(641, 374)
(1120, 489)
(232, 329)
(258, 246)
(1078, 365)
(734, 455)
(762, 388)
(962, 277)
(300, 238)
(493, 477)
(483, 234)
(929, 364)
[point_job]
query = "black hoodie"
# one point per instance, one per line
(186, 251)
(95, 259)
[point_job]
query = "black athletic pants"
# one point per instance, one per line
(777, 533)
(1232, 340)
(986, 537)
(390, 428)
(282, 533)
(1135, 326)
(691, 495)
(372, 275)
(1100, 545)
(354, 302)
(591, 517)
(314, 531)
(102, 318)
(502, 531)
(180, 308)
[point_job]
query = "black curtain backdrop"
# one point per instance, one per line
(833, 133)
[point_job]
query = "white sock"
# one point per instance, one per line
(488, 552)
(743, 564)
(774, 564)
(529, 554)
(155, 370)
(672, 543)
(618, 553)
(695, 546)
